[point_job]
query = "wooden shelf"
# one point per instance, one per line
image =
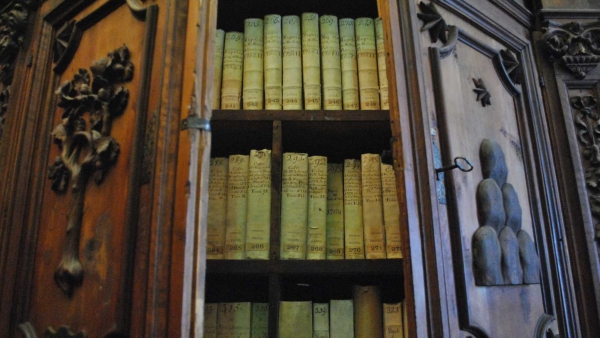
(305, 267)
(301, 115)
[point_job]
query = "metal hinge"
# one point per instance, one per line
(195, 122)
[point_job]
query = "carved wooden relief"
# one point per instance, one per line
(433, 22)
(483, 95)
(574, 45)
(65, 45)
(64, 332)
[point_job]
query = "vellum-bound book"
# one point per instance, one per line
(391, 212)
(320, 320)
(392, 321)
(210, 320)
(233, 62)
(368, 319)
(218, 65)
(348, 64)
(311, 64)
(381, 65)
(330, 63)
(353, 211)
(292, 63)
(372, 206)
(294, 206)
(368, 83)
(317, 208)
(341, 318)
(273, 62)
(234, 320)
(295, 320)
(217, 208)
(260, 320)
(258, 216)
(237, 204)
(253, 64)
(335, 211)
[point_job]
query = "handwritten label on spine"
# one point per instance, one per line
(294, 206)
(311, 64)
(260, 320)
(217, 208)
(237, 203)
(320, 320)
(330, 63)
(368, 83)
(253, 64)
(335, 211)
(348, 63)
(234, 320)
(392, 320)
(391, 212)
(273, 62)
(353, 211)
(218, 65)
(233, 62)
(381, 65)
(317, 208)
(373, 206)
(258, 216)
(292, 63)
(210, 320)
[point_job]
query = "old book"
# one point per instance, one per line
(210, 320)
(294, 206)
(368, 319)
(368, 83)
(237, 205)
(353, 211)
(335, 211)
(253, 64)
(218, 66)
(273, 65)
(258, 217)
(233, 63)
(331, 71)
(260, 320)
(311, 61)
(341, 318)
(320, 320)
(372, 206)
(292, 63)
(391, 212)
(393, 326)
(234, 320)
(405, 319)
(295, 320)
(381, 65)
(217, 208)
(348, 64)
(317, 208)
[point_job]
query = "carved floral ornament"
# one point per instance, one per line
(574, 45)
(86, 148)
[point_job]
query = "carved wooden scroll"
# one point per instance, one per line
(87, 149)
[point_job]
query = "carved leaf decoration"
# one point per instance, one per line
(63, 36)
(59, 174)
(511, 65)
(12, 28)
(64, 332)
(482, 93)
(433, 22)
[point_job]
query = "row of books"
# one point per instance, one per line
(364, 316)
(310, 62)
(344, 210)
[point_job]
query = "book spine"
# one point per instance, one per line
(341, 318)
(292, 63)
(335, 211)
(330, 63)
(294, 206)
(381, 65)
(311, 61)
(392, 321)
(237, 204)
(217, 208)
(348, 64)
(210, 320)
(218, 66)
(320, 320)
(368, 319)
(391, 212)
(317, 208)
(372, 206)
(353, 211)
(253, 64)
(273, 62)
(368, 83)
(234, 320)
(295, 320)
(260, 320)
(233, 62)
(405, 319)
(258, 216)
